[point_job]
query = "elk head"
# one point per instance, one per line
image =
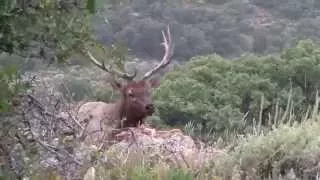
(136, 102)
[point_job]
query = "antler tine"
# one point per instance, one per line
(110, 70)
(167, 43)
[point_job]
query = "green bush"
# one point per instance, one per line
(219, 94)
(75, 89)
(145, 173)
(106, 95)
(275, 153)
(178, 174)
(140, 166)
(10, 86)
(20, 63)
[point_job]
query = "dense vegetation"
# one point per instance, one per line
(32, 32)
(269, 96)
(43, 28)
(226, 27)
(220, 94)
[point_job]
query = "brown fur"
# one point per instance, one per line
(134, 105)
(102, 117)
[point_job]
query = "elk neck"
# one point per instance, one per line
(120, 108)
(130, 115)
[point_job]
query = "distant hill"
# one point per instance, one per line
(226, 27)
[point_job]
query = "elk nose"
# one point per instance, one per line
(150, 107)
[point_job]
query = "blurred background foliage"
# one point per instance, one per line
(50, 30)
(226, 27)
(32, 33)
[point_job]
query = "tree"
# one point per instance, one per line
(35, 28)
(61, 27)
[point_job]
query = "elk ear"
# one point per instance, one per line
(154, 83)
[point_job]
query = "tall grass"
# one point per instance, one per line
(286, 146)
(255, 127)
(289, 142)
(264, 152)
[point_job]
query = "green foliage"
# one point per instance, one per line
(200, 27)
(105, 95)
(91, 5)
(139, 168)
(10, 86)
(291, 9)
(139, 173)
(260, 155)
(76, 89)
(220, 95)
(37, 29)
(5, 175)
(178, 174)
(22, 64)
(42, 27)
(46, 175)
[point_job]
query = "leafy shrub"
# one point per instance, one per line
(28, 25)
(140, 166)
(77, 89)
(178, 174)
(139, 172)
(275, 153)
(219, 94)
(20, 63)
(292, 9)
(11, 86)
(105, 95)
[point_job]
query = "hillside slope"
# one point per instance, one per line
(226, 27)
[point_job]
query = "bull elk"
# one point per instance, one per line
(135, 103)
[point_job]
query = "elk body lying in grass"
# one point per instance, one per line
(134, 105)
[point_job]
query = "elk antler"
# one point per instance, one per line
(168, 47)
(110, 70)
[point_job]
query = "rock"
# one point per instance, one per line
(170, 146)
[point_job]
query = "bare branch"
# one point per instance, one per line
(168, 47)
(55, 150)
